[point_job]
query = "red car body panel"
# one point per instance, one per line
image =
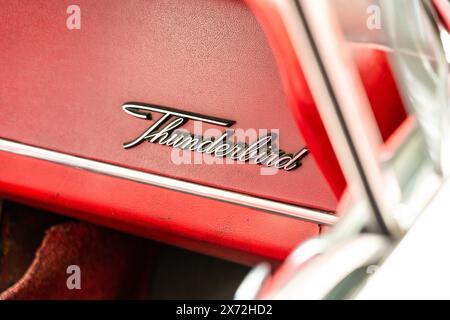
(66, 89)
(63, 91)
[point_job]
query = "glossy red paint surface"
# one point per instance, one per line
(217, 228)
(381, 88)
(298, 94)
(63, 90)
(376, 76)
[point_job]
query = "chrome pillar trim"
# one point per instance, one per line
(417, 268)
(319, 278)
(307, 250)
(253, 282)
(270, 206)
(342, 105)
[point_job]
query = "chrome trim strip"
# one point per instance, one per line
(310, 215)
(344, 107)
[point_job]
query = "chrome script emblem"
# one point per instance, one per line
(164, 132)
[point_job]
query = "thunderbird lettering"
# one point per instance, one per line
(164, 132)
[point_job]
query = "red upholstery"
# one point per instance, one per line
(111, 265)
